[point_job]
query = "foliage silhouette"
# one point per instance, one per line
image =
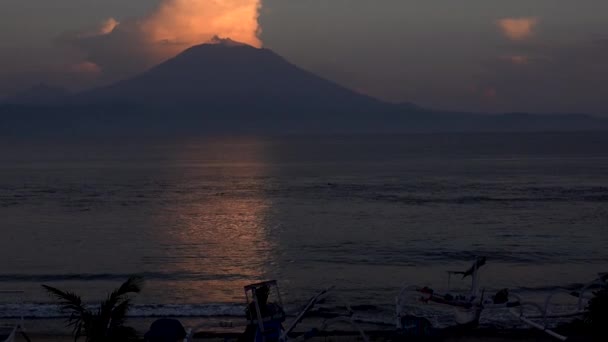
(105, 324)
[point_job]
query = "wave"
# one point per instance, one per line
(49, 311)
(407, 193)
(413, 200)
(39, 278)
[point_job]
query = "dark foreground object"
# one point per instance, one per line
(165, 330)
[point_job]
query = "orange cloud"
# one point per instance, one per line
(122, 49)
(517, 28)
(184, 23)
(108, 26)
(104, 28)
(86, 68)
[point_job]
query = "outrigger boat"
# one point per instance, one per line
(543, 318)
(471, 303)
(545, 315)
(269, 327)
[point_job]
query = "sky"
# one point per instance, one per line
(539, 56)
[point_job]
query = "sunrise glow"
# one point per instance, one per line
(184, 23)
(517, 28)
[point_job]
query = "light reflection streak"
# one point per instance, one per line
(216, 228)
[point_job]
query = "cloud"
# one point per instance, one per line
(86, 68)
(192, 22)
(120, 49)
(103, 28)
(108, 26)
(517, 28)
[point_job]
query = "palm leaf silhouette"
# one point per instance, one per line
(107, 323)
(72, 304)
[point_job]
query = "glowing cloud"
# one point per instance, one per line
(108, 26)
(191, 22)
(121, 49)
(104, 28)
(517, 28)
(86, 68)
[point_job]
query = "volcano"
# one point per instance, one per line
(228, 87)
(231, 86)
(231, 75)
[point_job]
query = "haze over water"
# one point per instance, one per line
(199, 219)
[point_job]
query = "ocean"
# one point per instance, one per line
(368, 214)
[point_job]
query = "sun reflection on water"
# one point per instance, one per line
(216, 238)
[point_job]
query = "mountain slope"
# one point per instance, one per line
(233, 78)
(41, 94)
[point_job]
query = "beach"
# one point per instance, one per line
(55, 331)
(337, 338)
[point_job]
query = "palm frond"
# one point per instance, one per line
(77, 332)
(132, 285)
(68, 301)
(105, 324)
(119, 313)
(72, 304)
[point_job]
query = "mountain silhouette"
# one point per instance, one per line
(41, 94)
(228, 87)
(229, 74)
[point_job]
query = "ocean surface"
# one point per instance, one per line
(199, 219)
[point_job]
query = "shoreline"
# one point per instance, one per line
(55, 331)
(328, 336)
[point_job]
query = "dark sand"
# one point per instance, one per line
(515, 337)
